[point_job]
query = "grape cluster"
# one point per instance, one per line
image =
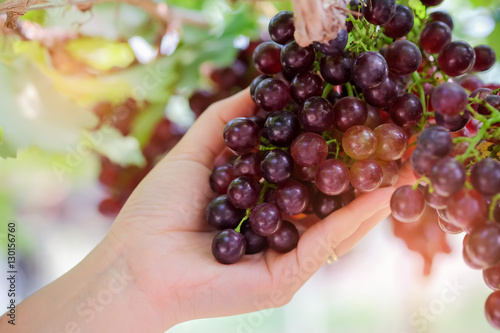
(337, 119)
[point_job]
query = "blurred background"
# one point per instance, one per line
(92, 96)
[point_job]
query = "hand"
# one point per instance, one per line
(163, 230)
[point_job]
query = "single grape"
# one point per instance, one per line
(391, 142)
(435, 200)
(366, 175)
(292, 197)
(359, 142)
(466, 209)
(407, 204)
(281, 128)
(400, 24)
(470, 82)
(383, 95)
(309, 149)
(221, 215)
(491, 277)
(374, 118)
(272, 94)
(349, 112)
(422, 163)
(255, 243)
(435, 141)
(380, 11)
(485, 177)
(297, 59)
(265, 219)
(285, 239)
(305, 85)
(242, 135)
(441, 17)
(453, 123)
(390, 172)
(434, 36)
(448, 176)
(200, 100)
(406, 110)
(266, 58)
(247, 165)
(430, 3)
(317, 115)
(336, 69)
(220, 178)
(258, 120)
(403, 57)
(369, 69)
(332, 177)
(492, 309)
(324, 205)
(228, 246)
(480, 93)
(334, 47)
(485, 58)
(483, 245)
(449, 99)
(281, 27)
(255, 83)
(243, 192)
(456, 58)
(448, 227)
(277, 166)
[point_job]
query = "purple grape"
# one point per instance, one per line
(220, 178)
(324, 205)
(453, 123)
(255, 83)
(449, 99)
(366, 175)
(400, 24)
(430, 3)
(456, 58)
(407, 204)
(485, 177)
(422, 163)
(380, 11)
(228, 246)
(448, 176)
(493, 100)
(291, 197)
(407, 110)
(317, 115)
(281, 27)
(243, 192)
(272, 94)
(281, 128)
(297, 59)
(266, 58)
(285, 239)
(255, 243)
(305, 85)
(383, 95)
(247, 165)
(369, 70)
(403, 57)
(332, 177)
(374, 118)
(441, 17)
(480, 93)
(434, 36)
(435, 200)
(334, 47)
(309, 149)
(242, 135)
(221, 215)
(265, 219)
(336, 69)
(333, 96)
(349, 112)
(435, 141)
(277, 166)
(485, 58)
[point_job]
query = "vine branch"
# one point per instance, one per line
(159, 11)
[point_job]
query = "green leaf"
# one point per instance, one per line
(144, 123)
(483, 3)
(121, 150)
(493, 41)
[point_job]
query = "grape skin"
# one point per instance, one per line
(366, 175)
(407, 204)
(228, 246)
(332, 177)
(359, 142)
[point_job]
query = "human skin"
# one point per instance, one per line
(154, 268)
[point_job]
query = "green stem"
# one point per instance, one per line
(417, 81)
(349, 89)
(247, 215)
(327, 90)
(424, 179)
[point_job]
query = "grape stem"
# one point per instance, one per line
(327, 90)
(350, 92)
(494, 201)
(247, 215)
(337, 147)
(423, 179)
(265, 186)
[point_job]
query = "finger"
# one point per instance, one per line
(361, 232)
(204, 141)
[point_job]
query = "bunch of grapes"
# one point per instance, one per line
(337, 120)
